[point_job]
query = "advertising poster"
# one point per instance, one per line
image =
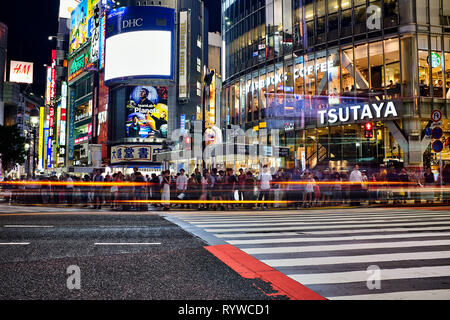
(79, 26)
(147, 112)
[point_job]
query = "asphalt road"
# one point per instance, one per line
(119, 256)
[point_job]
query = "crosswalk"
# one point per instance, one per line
(334, 252)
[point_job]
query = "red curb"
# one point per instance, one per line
(251, 268)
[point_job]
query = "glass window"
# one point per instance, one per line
(310, 79)
(262, 91)
(334, 77)
(390, 13)
(248, 102)
(424, 74)
(298, 24)
(421, 11)
(287, 25)
(322, 74)
(255, 96)
(333, 6)
(377, 83)
(360, 19)
(447, 66)
(242, 100)
(270, 91)
(346, 23)
(298, 77)
(321, 30)
(348, 81)
(393, 75)
(333, 26)
(237, 104)
(362, 70)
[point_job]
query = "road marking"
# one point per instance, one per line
(443, 294)
(327, 227)
(325, 239)
(361, 276)
(25, 226)
(353, 246)
(126, 244)
(370, 258)
(299, 232)
(14, 243)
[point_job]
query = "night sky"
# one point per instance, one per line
(30, 22)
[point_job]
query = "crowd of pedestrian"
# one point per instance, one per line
(217, 189)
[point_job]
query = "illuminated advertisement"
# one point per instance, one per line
(183, 57)
(79, 26)
(41, 138)
(147, 112)
(102, 121)
(21, 72)
(132, 153)
(66, 8)
(48, 86)
(139, 43)
(94, 28)
(80, 63)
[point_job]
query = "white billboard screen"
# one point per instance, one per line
(139, 54)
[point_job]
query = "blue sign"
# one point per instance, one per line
(183, 123)
(437, 133)
(438, 146)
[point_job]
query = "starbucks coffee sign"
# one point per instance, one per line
(367, 112)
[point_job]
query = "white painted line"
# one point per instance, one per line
(14, 243)
(352, 246)
(299, 238)
(317, 222)
(443, 294)
(300, 233)
(362, 276)
(327, 227)
(25, 226)
(126, 244)
(370, 258)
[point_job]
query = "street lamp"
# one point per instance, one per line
(34, 119)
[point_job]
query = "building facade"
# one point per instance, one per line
(318, 71)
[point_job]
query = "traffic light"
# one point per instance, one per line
(187, 143)
(368, 130)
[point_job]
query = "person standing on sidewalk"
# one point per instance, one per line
(181, 184)
(356, 181)
(98, 189)
(165, 193)
(264, 185)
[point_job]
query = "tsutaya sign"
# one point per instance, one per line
(373, 111)
(298, 73)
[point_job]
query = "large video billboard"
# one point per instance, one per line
(147, 112)
(82, 24)
(140, 43)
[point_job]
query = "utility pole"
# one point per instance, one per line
(206, 83)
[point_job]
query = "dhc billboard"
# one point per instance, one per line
(140, 43)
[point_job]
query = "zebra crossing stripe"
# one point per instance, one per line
(371, 258)
(361, 276)
(442, 294)
(354, 246)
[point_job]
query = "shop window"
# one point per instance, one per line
(334, 70)
(262, 92)
(242, 100)
(377, 83)
(424, 74)
(447, 75)
(237, 104)
(392, 59)
(362, 70)
(322, 74)
(255, 96)
(310, 79)
(248, 105)
(348, 80)
(436, 60)
(299, 77)
(270, 92)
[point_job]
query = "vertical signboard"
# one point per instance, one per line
(48, 86)
(41, 138)
(183, 91)
(70, 142)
